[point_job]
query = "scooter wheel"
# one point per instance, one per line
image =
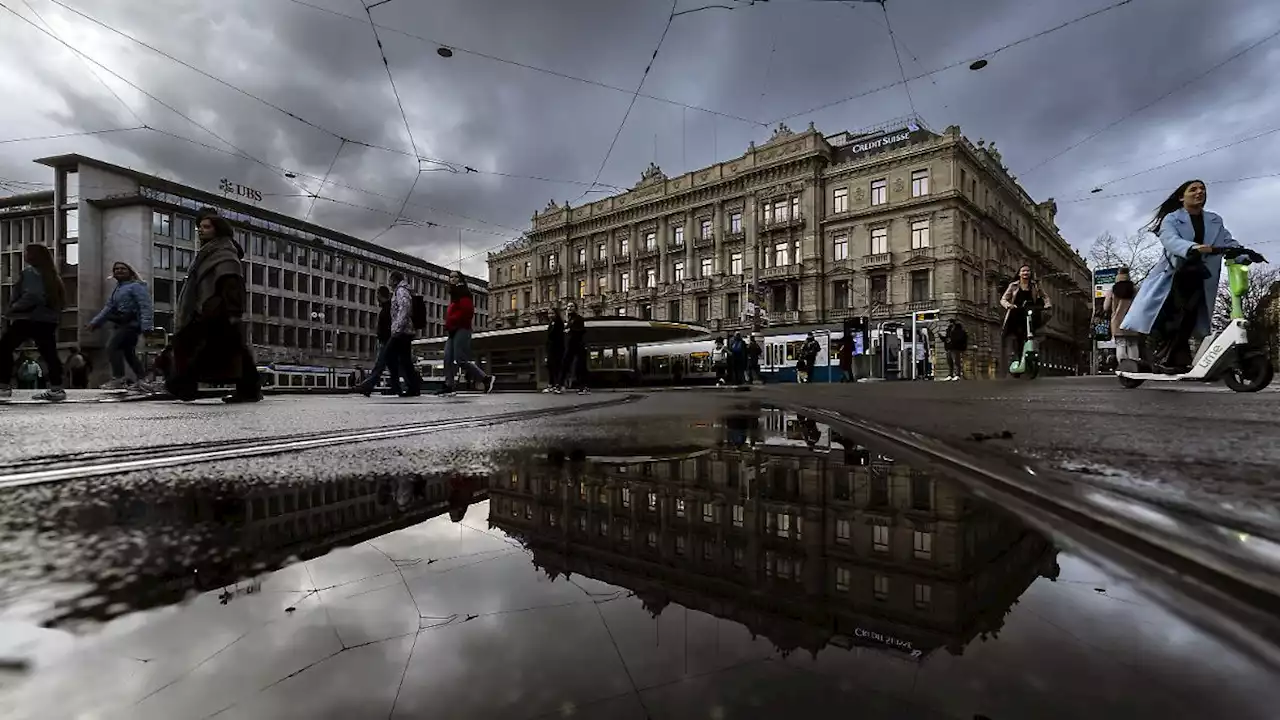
(1254, 373)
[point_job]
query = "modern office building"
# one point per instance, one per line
(781, 525)
(311, 289)
(876, 224)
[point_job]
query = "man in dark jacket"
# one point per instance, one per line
(754, 351)
(955, 340)
(555, 353)
(367, 387)
(575, 353)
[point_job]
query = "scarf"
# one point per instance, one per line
(216, 259)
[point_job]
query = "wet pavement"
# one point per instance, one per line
(679, 556)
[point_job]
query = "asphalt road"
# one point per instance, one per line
(1192, 448)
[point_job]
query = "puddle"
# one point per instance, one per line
(743, 566)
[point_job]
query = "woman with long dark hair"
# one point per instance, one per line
(1115, 307)
(208, 344)
(1022, 295)
(33, 315)
(457, 348)
(1176, 299)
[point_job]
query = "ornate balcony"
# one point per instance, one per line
(877, 260)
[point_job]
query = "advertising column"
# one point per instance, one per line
(1103, 280)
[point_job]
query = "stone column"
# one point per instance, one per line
(635, 251)
(565, 263)
(717, 232)
(690, 240)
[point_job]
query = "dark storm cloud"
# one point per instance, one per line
(1034, 100)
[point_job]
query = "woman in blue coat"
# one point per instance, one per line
(1176, 300)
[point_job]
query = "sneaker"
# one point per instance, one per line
(489, 383)
(557, 390)
(584, 391)
(548, 390)
(114, 384)
(51, 395)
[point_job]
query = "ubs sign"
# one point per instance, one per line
(226, 187)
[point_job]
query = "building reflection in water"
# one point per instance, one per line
(785, 527)
(140, 547)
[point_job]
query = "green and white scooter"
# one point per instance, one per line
(1027, 363)
(1228, 355)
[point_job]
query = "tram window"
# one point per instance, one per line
(662, 365)
(343, 381)
(593, 359)
(624, 358)
(700, 363)
(646, 366)
(295, 380)
(309, 381)
(267, 379)
(793, 350)
(322, 381)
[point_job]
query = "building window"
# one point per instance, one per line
(582, 256)
(624, 281)
(881, 587)
(704, 230)
(735, 263)
(879, 240)
(924, 595)
(738, 514)
(183, 227)
(739, 557)
(704, 308)
(732, 307)
(842, 532)
(528, 269)
(161, 223)
(880, 289)
(651, 499)
(795, 208)
(514, 305)
(256, 243)
(582, 288)
(840, 248)
(840, 294)
(302, 256)
(919, 234)
(705, 268)
(922, 545)
(680, 544)
(163, 290)
(677, 271)
(919, 183)
(650, 277)
(782, 525)
(879, 192)
(708, 512)
(781, 254)
(840, 200)
(602, 284)
(843, 576)
(624, 247)
(626, 497)
(183, 259)
(161, 257)
(880, 538)
(273, 248)
(735, 222)
(680, 507)
(651, 241)
(600, 252)
(678, 236)
(920, 286)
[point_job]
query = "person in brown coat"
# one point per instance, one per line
(1022, 295)
(208, 345)
(1115, 306)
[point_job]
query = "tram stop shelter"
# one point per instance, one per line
(517, 356)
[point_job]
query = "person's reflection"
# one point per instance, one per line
(462, 490)
(810, 431)
(736, 427)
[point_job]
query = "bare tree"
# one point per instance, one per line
(1138, 252)
(1261, 278)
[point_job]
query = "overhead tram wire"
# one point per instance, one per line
(63, 136)
(645, 76)
(951, 66)
(93, 72)
(898, 56)
(453, 166)
(327, 173)
(526, 66)
(1178, 89)
(1224, 146)
(1153, 191)
(901, 43)
(135, 86)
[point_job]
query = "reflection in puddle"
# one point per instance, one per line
(92, 551)
(786, 527)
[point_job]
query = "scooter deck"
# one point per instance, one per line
(1161, 377)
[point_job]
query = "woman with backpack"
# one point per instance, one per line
(33, 315)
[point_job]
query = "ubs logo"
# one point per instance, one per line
(227, 187)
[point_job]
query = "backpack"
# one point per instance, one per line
(418, 313)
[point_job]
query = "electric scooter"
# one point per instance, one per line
(1228, 355)
(1027, 363)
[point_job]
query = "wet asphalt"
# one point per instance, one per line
(333, 582)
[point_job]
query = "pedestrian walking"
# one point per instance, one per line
(1115, 307)
(33, 314)
(846, 353)
(457, 348)
(208, 343)
(737, 359)
(754, 351)
(400, 361)
(955, 340)
(720, 361)
(809, 353)
(555, 353)
(130, 313)
(575, 350)
(370, 383)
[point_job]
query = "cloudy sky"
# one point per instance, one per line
(720, 77)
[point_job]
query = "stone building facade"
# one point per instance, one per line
(809, 229)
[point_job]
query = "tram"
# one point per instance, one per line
(689, 363)
(276, 376)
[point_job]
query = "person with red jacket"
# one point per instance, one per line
(457, 348)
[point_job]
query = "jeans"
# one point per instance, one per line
(45, 337)
(122, 350)
(380, 366)
(955, 363)
(399, 357)
(457, 352)
(575, 367)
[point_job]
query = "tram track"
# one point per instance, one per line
(114, 461)
(1187, 562)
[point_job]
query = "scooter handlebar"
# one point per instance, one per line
(1243, 256)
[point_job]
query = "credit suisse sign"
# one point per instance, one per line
(884, 141)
